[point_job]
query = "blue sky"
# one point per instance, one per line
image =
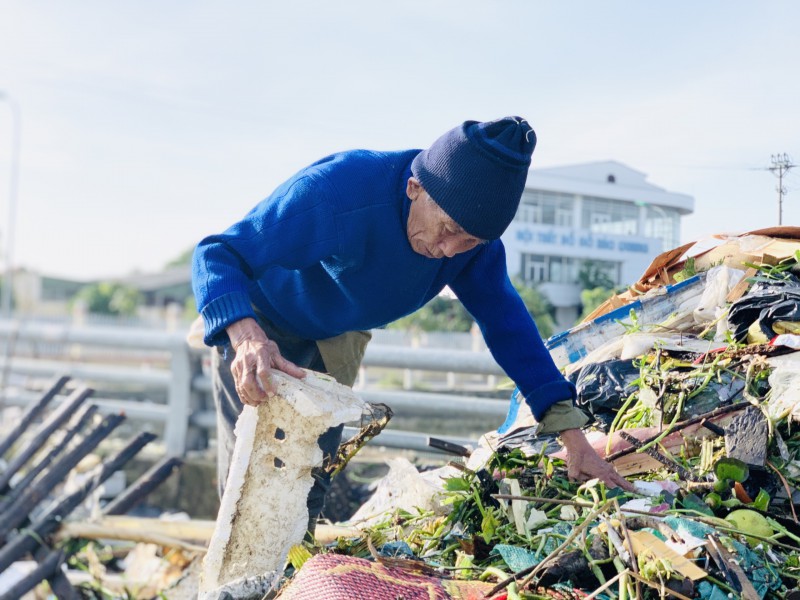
(148, 125)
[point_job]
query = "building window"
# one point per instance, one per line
(663, 224)
(563, 269)
(546, 208)
(540, 268)
(534, 268)
(601, 215)
(599, 273)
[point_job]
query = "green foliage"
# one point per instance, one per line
(446, 314)
(688, 271)
(190, 308)
(780, 272)
(594, 297)
(591, 275)
(108, 298)
(538, 306)
(184, 258)
(440, 314)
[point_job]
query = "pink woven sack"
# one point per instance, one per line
(338, 577)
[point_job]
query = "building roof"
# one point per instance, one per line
(149, 282)
(607, 179)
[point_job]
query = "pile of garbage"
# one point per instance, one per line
(692, 378)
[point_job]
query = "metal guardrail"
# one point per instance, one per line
(183, 381)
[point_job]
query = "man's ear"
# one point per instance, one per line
(413, 188)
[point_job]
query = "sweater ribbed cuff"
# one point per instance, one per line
(541, 399)
(561, 416)
(221, 312)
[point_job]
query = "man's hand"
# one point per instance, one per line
(584, 463)
(256, 355)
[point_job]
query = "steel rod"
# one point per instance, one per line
(31, 413)
(42, 435)
(145, 484)
(50, 521)
(19, 510)
(44, 570)
(82, 420)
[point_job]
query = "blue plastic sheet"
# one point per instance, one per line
(516, 558)
(570, 346)
(399, 549)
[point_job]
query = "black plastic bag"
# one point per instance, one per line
(766, 303)
(603, 387)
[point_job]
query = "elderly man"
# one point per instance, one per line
(360, 239)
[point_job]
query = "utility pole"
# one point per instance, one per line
(781, 163)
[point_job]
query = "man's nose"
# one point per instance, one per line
(449, 247)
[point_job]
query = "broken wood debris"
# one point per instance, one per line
(32, 509)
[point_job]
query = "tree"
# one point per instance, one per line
(596, 287)
(593, 298)
(591, 275)
(440, 314)
(108, 298)
(184, 258)
(446, 314)
(538, 306)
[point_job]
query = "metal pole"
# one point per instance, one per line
(179, 395)
(781, 163)
(13, 186)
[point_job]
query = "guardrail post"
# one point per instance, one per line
(178, 400)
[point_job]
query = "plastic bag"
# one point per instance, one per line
(784, 382)
(720, 281)
(766, 304)
(403, 487)
(602, 387)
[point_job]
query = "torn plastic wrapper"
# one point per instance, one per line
(789, 340)
(519, 430)
(632, 345)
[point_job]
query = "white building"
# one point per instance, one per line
(603, 212)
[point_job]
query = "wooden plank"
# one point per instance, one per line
(197, 531)
(740, 288)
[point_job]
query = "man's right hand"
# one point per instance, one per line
(256, 356)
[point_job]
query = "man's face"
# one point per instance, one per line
(430, 231)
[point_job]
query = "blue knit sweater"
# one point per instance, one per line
(327, 252)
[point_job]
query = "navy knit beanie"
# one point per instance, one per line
(477, 171)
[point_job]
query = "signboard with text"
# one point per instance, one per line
(566, 241)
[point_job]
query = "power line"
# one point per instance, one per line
(781, 163)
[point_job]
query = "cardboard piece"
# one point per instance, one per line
(645, 542)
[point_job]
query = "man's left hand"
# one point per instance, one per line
(583, 462)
